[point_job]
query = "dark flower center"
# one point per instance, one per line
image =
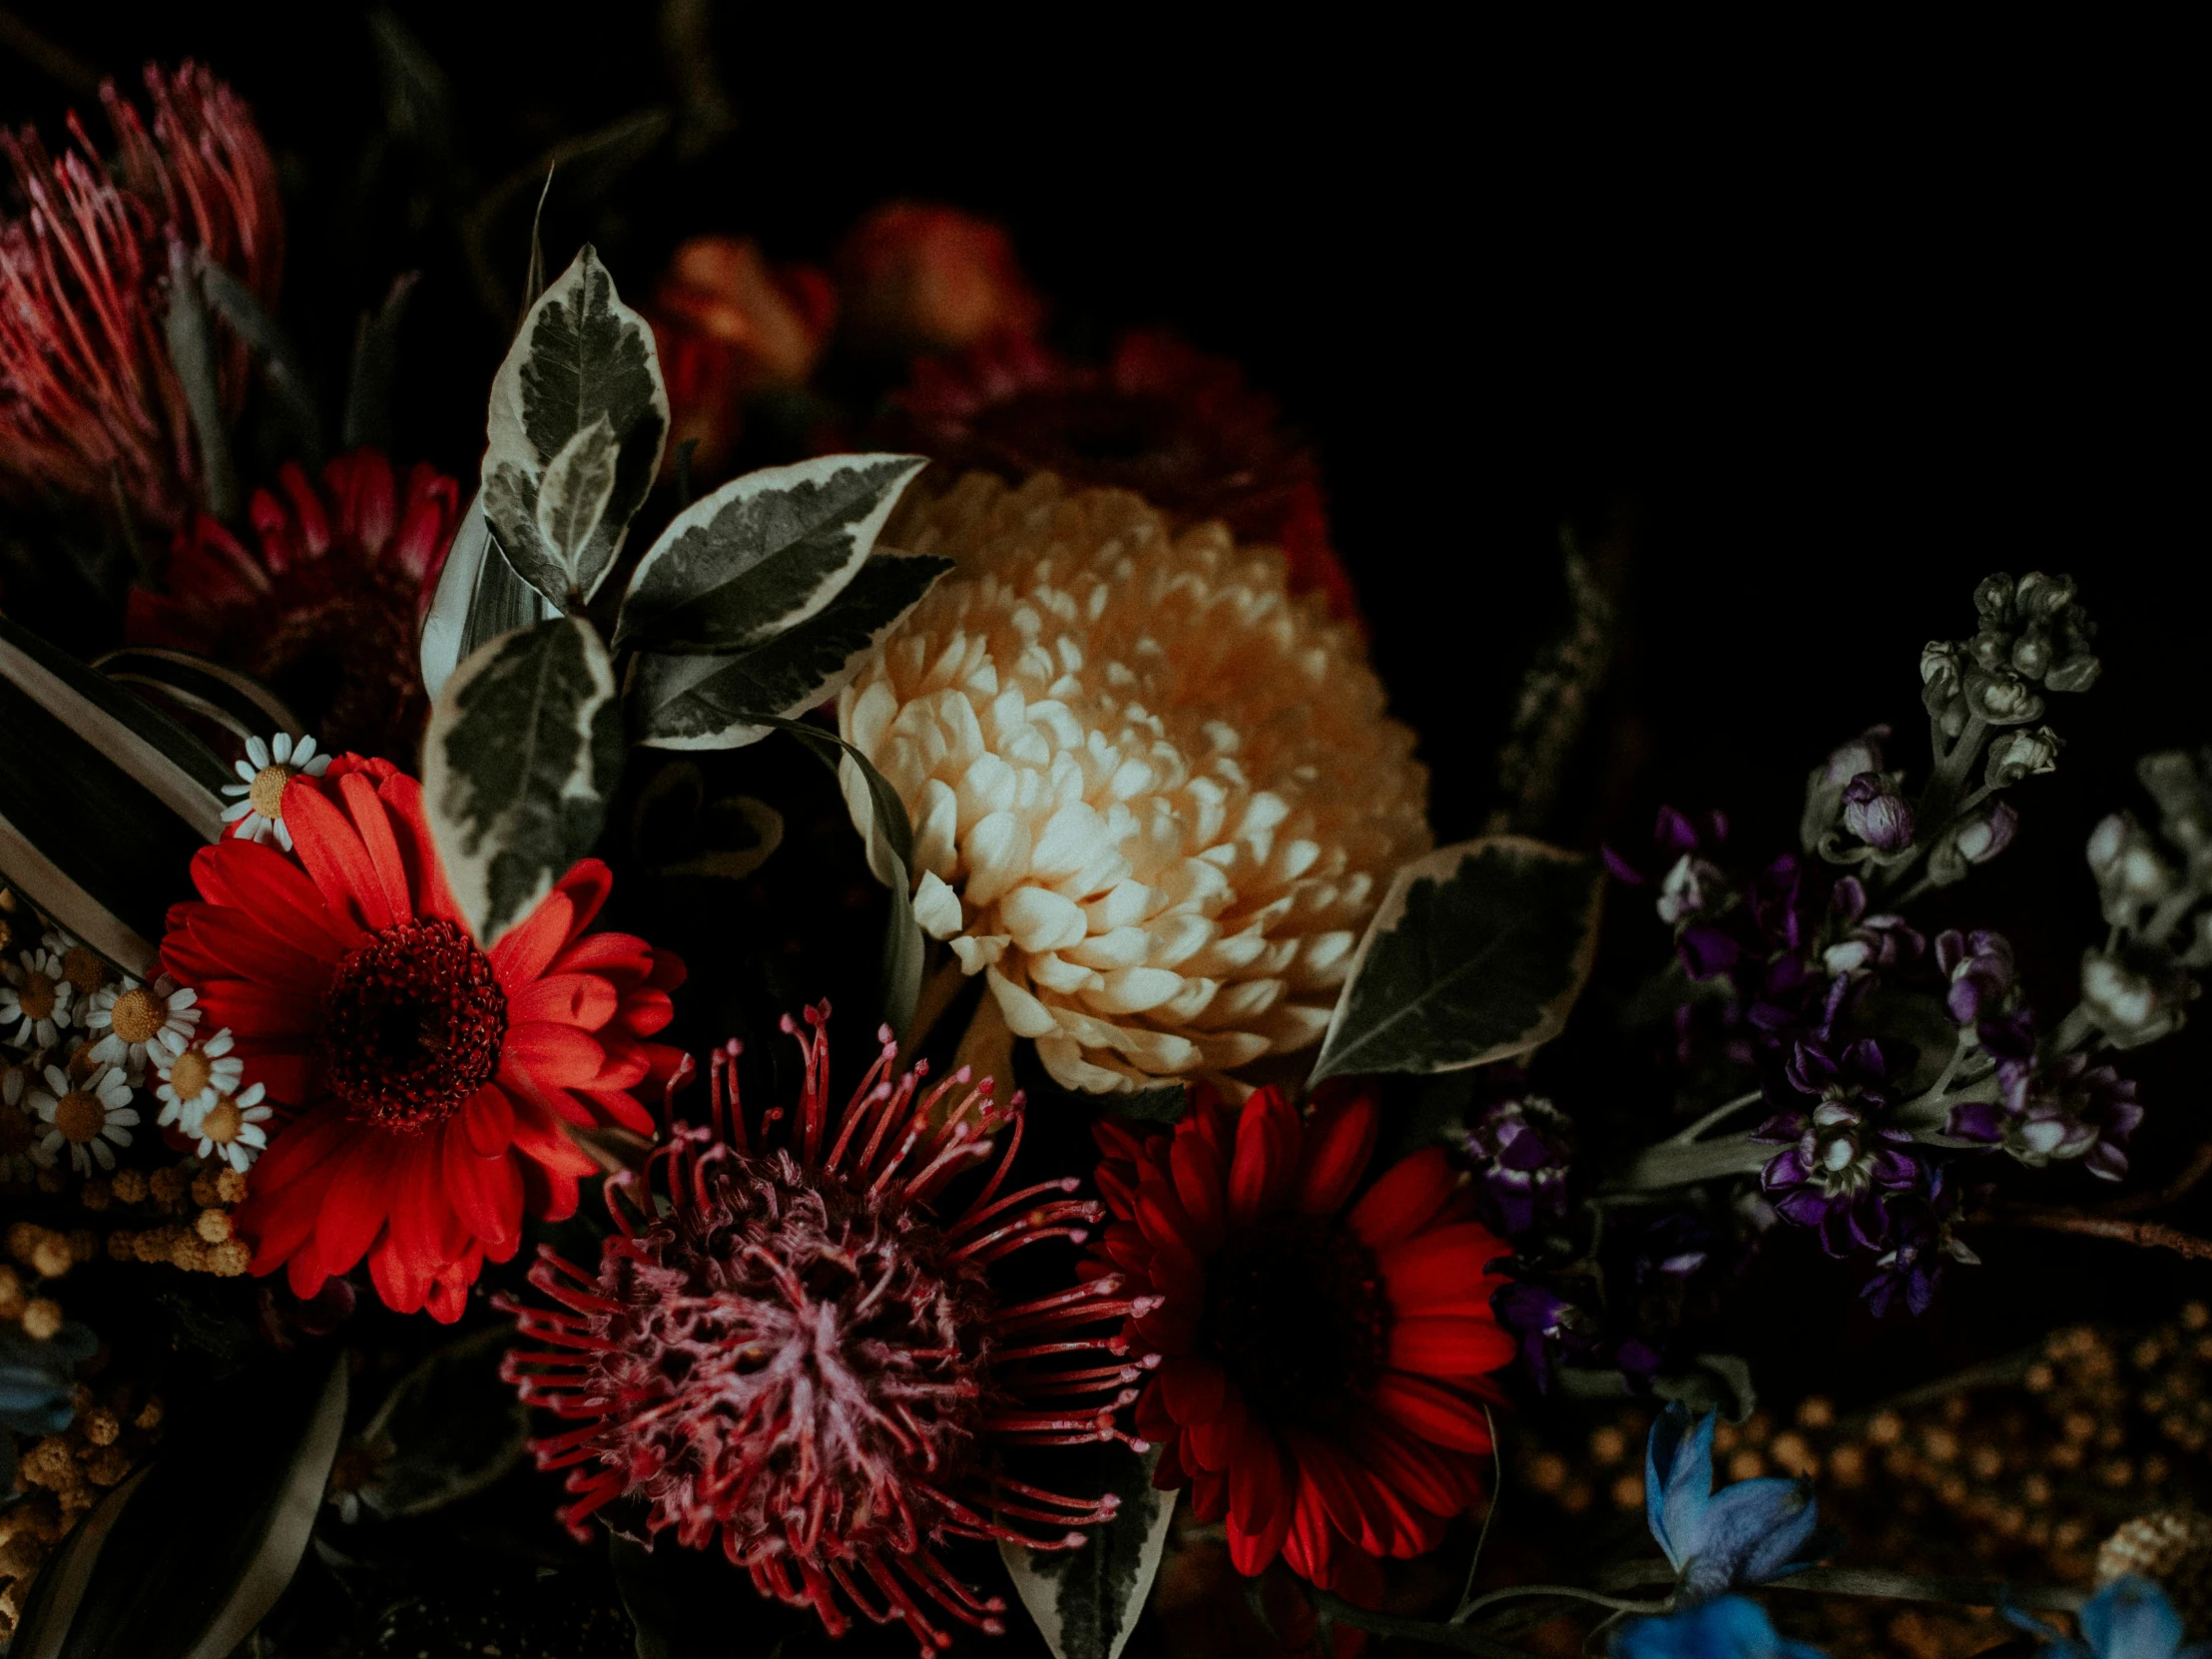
(1300, 1319)
(412, 1024)
(333, 640)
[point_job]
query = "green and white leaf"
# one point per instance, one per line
(1087, 1601)
(524, 748)
(185, 1558)
(1475, 956)
(762, 554)
(709, 700)
(478, 598)
(103, 800)
(581, 358)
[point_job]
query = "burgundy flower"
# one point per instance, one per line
(326, 609)
(786, 1345)
(917, 276)
(1842, 1158)
(88, 403)
(1160, 418)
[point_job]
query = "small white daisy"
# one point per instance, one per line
(194, 1078)
(82, 965)
(84, 1119)
(37, 999)
(231, 1129)
(129, 1019)
(264, 771)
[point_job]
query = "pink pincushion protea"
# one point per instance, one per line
(791, 1348)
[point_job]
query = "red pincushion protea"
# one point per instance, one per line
(1171, 423)
(431, 1080)
(327, 609)
(88, 400)
(790, 1347)
(1324, 1365)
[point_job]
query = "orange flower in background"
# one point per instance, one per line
(433, 1082)
(1160, 418)
(921, 278)
(727, 324)
(1326, 1360)
(88, 403)
(327, 607)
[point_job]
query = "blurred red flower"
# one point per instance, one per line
(1179, 427)
(432, 1080)
(729, 325)
(921, 278)
(326, 609)
(1324, 1365)
(88, 403)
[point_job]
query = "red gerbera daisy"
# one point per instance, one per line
(326, 611)
(1161, 419)
(790, 1347)
(432, 1079)
(1324, 1367)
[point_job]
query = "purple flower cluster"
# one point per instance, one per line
(1520, 1152)
(1921, 1244)
(1843, 1158)
(2066, 1109)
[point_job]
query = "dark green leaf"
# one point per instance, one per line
(370, 390)
(762, 554)
(183, 1560)
(1711, 1382)
(237, 305)
(524, 747)
(693, 1604)
(448, 1428)
(582, 356)
(1475, 956)
(573, 496)
(190, 336)
(103, 800)
(478, 598)
(1086, 1601)
(236, 701)
(712, 701)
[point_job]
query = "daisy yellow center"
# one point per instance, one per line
(190, 1074)
(266, 794)
(82, 1067)
(15, 1133)
(37, 997)
(80, 1116)
(223, 1122)
(83, 970)
(137, 1015)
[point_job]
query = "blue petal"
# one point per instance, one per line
(1730, 1628)
(1674, 1501)
(2130, 1618)
(1752, 1531)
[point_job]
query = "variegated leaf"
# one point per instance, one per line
(1475, 956)
(524, 747)
(762, 554)
(578, 484)
(581, 356)
(478, 598)
(702, 700)
(1086, 1601)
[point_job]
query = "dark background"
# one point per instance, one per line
(1821, 331)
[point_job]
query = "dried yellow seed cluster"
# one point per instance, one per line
(201, 1243)
(66, 1474)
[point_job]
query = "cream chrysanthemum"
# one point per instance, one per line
(1155, 800)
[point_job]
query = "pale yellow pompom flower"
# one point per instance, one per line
(1155, 799)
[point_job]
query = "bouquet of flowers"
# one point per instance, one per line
(442, 1213)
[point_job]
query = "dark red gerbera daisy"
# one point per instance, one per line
(326, 610)
(785, 1344)
(1324, 1365)
(431, 1080)
(1160, 418)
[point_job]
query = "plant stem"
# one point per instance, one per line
(2197, 1168)
(1572, 1592)
(1908, 1586)
(1670, 1165)
(2145, 1235)
(1727, 1109)
(1338, 1611)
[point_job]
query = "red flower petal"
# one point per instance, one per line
(490, 1121)
(1191, 1388)
(1262, 1497)
(235, 944)
(1418, 1471)
(1340, 1139)
(1198, 1179)
(334, 857)
(373, 822)
(1442, 1269)
(555, 1056)
(527, 949)
(359, 1202)
(1432, 1412)
(1450, 1347)
(1265, 1160)
(1404, 1199)
(487, 1193)
(273, 892)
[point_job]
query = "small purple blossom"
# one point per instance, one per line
(1924, 1243)
(2043, 1114)
(1843, 1157)
(1877, 814)
(1983, 980)
(1520, 1152)
(1868, 943)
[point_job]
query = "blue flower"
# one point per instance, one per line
(1717, 1541)
(1730, 1628)
(2130, 1618)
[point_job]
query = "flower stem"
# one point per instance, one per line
(1338, 1611)
(1727, 1109)
(2145, 1235)
(1908, 1586)
(1572, 1592)
(1673, 1164)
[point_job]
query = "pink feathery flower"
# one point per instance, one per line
(89, 403)
(790, 1347)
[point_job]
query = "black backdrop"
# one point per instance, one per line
(1831, 326)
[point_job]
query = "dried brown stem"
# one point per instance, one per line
(2136, 1204)
(2145, 1235)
